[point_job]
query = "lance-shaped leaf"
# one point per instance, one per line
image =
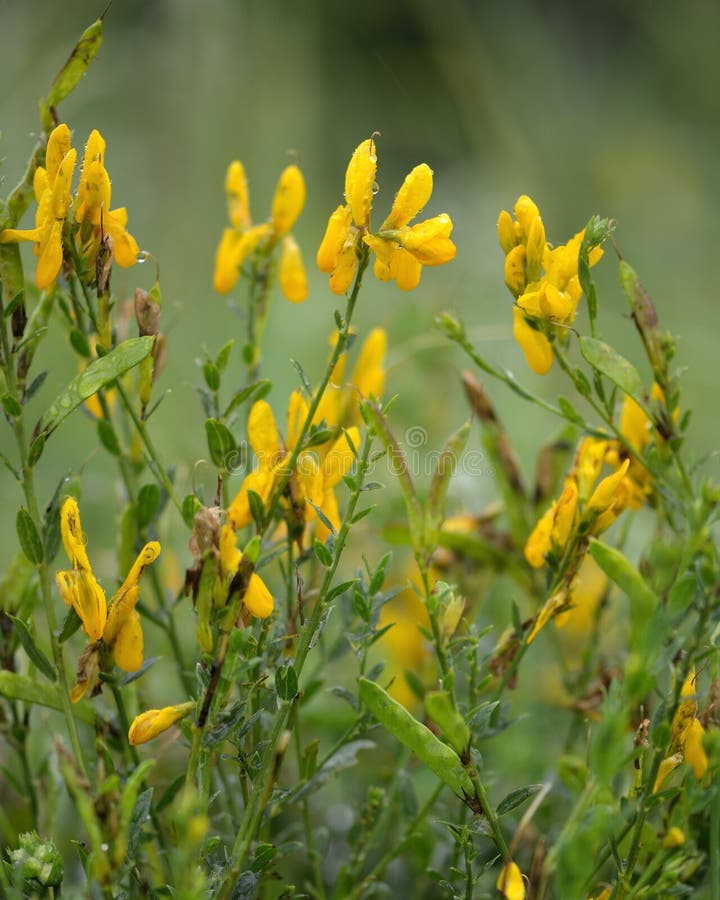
(438, 757)
(30, 690)
(658, 346)
(596, 231)
(440, 708)
(445, 467)
(98, 374)
(399, 465)
(619, 370)
(68, 77)
(33, 651)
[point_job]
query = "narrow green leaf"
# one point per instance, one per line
(445, 467)
(517, 797)
(605, 359)
(98, 374)
(211, 374)
(108, 437)
(68, 77)
(223, 356)
(190, 505)
(70, 625)
(148, 502)
(259, 388)
(221, 443)
(30, 690)
(32, 649)
(28, 536)
(303, 377)
(10, 405)
(286, 682)
(322, 553)
(436, 755)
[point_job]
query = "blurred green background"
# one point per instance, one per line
(610, 108)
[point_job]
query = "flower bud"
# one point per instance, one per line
(153, 722)
(289, 200)
(360, 182)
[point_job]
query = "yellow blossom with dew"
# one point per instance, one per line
(510, 882)
(115, 626)
(153, 722)
(242, 238)
(543, 280)
(93, 213)
(52, 186)
(401, 249)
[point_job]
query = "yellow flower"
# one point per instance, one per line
(241, 240)
(271, 454)
(257, 599)
(92, 209)
(150, 724)
(338, 462)
(687, 733)
(52, 193)
(401, 250)
(116, 628)
(556, 604)
(510, 882)
(543, 280)
(674, 838)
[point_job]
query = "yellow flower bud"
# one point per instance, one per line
(665, 768)
(344, 272)
(604, 493)
(693, 748)
(258, 600)
(564, 515)
(237, 196)
(533, 343)
(506, 232)
(360, 182)
(153, 722)
(535, 249)
(293, 280)
(411, 198)
(538, 544)
(525, 212)
(674, 838)
(515, 277)
(226, 267)
(289, 199)
(58, 147)
(510, 882)
(551, 608)
(336, 235)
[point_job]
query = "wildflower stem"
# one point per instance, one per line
(715, 841)
(28, 481)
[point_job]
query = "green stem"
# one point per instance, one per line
(715, 841)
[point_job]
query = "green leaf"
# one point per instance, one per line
(148, 502)
(32, 649)
(620, 570)
(70, 625)
(223, 356)
(286, 682)
(108, 437)
(436, 755)
(98, 374)
(303, 377)
(221, 443)
(445, 466)
(211, 373)
(569, 411)
(190, 506)
(68, 77)
(36, 449)
(439, 706)
(605, 359)
(517, 797)
(260, 388)
(322, 553)
(10, 405)
(30, 690)
(28, 536)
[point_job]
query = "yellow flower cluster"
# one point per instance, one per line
(317, 472)
(542, 279)
(687, 733)
(241, 240)
(401, 249)
(115, 627)
(94, 219)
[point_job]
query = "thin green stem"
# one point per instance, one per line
(715, 841)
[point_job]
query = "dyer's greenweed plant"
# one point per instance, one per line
(331, 729)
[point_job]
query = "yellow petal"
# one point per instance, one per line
(341, 456)
(258, 600)
(289, 199)
(506, 232)
(51, 257)
(293, 280)
(549, 610)
(634, 424)
(237, 196)
(260, 482)
(310, 480)
(369, 375)
(510, 882)
(226, 268)
(538, 543)
(329, 508)
(121, 610)
(296, 416)
(128, 645)
(263, 434)
(72, 534)
(230, 556)
(515, 267)
(147, 555)
(125, 247)
(360, 181)
(342, 277)
(693, 748)
(564, 515)
(535, 249)
(604, 493)
(525, 212)
(556, 304)
(407, 270)
(332, 243)
(533, 343)
(80, 589)
(153, 722)
(665, 768)
(58, 146)
(411, 198)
